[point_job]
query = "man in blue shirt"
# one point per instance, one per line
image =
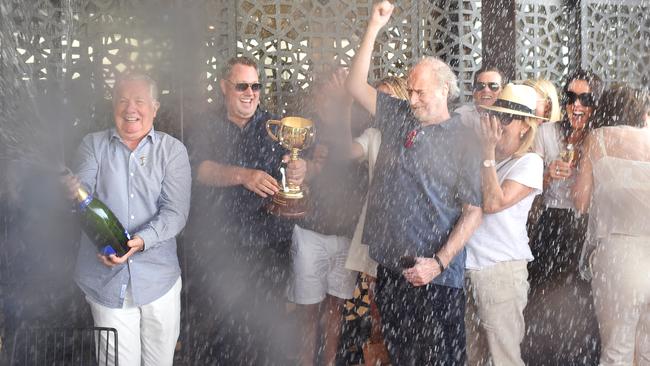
(423, 206)
(144, 177)
(242, 252)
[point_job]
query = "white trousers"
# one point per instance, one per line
(621, 288)
(146, 334)
(494, 313)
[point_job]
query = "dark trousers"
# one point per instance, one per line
(556, 240)
(237, 298)
(421, 325)
(561, 325)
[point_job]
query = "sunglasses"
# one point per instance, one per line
(240, 87)
(504, 118)
(586, 99)
(478, 86)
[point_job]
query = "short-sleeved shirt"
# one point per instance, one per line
(418, 192)
(235, 213)
(502, 235)
(148, 190)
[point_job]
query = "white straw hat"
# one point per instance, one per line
(520, 100)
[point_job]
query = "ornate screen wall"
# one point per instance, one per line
(81, 44)
(610, 37)
(616, 39)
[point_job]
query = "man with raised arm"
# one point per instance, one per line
(424, 204)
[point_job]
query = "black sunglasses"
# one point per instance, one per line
(478, 86)
(504, 118)
(586, 99)
(240, 87)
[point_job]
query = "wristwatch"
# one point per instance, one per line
(489, 163)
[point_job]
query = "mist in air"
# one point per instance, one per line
(59, 60)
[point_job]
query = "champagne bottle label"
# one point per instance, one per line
(108, 250)
(85, 202)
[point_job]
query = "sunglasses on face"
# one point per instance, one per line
(504, 118)
(478, 86)
(241, 87)
(586, 99)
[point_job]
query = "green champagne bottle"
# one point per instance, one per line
(101, 225)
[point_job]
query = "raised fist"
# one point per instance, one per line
(381, 13)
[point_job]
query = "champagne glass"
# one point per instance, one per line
(568, 154)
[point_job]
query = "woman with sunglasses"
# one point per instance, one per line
(563, 335)
(498, 252)
(559, 233)
(612, 184)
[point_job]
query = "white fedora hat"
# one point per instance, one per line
(519, 100)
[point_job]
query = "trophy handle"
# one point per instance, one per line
(269, 123)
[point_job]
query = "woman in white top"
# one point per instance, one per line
(613, 185)
(498, 252)
(366, 147)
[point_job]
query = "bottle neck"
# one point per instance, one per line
(83, 198)
(81, 195)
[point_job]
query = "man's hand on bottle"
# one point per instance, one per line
(136, 244)
(424, 271)
(72, 185)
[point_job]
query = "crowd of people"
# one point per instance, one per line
(455, 218)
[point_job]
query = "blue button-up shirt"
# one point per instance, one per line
(148, 190)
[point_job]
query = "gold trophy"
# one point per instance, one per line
(294, 134)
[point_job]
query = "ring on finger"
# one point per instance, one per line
(557, 171)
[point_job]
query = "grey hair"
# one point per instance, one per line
(136, 76)
(444, 75)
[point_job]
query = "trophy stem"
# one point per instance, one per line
(294, 154)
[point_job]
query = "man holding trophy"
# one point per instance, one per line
(423, 206)
(243, 261)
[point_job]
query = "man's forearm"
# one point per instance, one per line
(173, 203)
(357, 81)
(211, 173)
(468, 222)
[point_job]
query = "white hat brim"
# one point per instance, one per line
(513, 112)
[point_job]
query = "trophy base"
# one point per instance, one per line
(288, 206)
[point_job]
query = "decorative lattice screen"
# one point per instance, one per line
(545, 36)
(616, 39)
(78, 45)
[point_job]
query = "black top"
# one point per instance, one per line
(336, 195)
(236, 212)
